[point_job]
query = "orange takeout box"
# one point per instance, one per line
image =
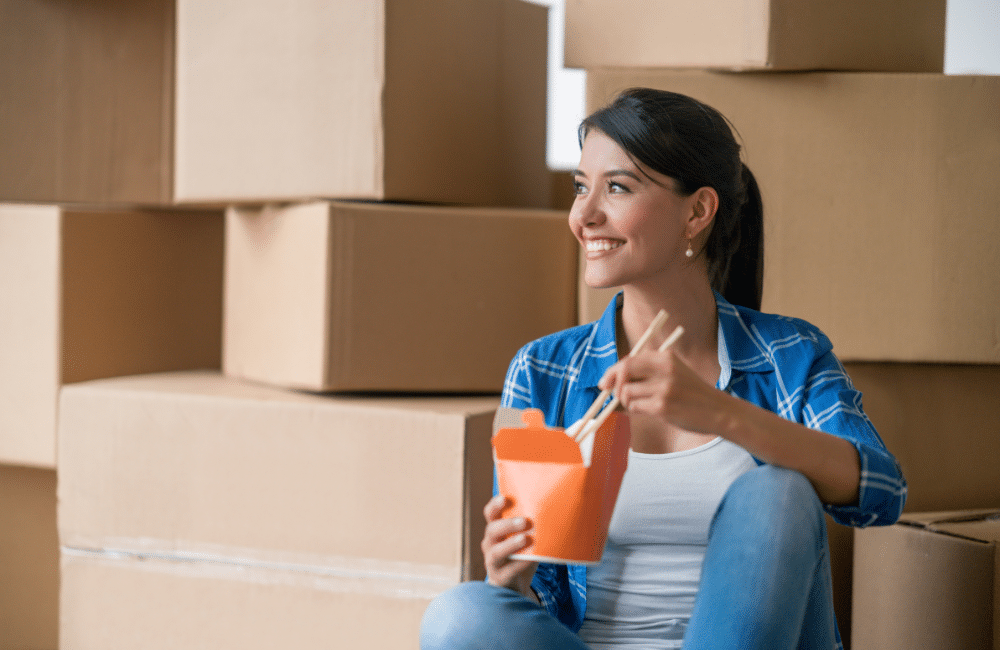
(542, 474)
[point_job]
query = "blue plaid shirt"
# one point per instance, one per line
(784, 365)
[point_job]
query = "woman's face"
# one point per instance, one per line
(632, 229)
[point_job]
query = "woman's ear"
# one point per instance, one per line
(705, 203)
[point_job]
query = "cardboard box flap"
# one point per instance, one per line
(975, 525)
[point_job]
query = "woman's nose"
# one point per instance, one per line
(586, 211)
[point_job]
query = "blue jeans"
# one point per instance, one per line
(765, 583)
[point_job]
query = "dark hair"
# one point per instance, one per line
(693, 144)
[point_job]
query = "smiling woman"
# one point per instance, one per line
(684, 146)
(743, 432)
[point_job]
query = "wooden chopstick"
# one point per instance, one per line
(658, 321)
(590, 426)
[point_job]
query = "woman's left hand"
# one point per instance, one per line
(662, 385)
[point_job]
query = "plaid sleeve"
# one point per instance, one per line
(517, 385)
(831, 403)
(551, 584)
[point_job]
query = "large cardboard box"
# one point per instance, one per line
(189, 463)
(930, 581)
(879, 202)
(29, 559)
(88, 294)
(197, 510)
(194, 101)
(879, 35)
(123, 603)
(357, 296)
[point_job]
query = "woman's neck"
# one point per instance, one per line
(692, 307)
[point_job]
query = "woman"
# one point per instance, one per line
(743, 433)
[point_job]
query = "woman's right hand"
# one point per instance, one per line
(503, 538)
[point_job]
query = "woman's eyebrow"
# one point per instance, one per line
(611, 173)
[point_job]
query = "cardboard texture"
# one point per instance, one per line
(196, 465)
(878, 197)
(90, 294)
(930, 581)
(192, 101)
(29, 559)
(882, 35)
(940, 421)
(354, 296)
(124, 603)
(569, 503)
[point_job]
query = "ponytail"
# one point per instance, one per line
(743, 281)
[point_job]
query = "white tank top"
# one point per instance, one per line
(642, 593)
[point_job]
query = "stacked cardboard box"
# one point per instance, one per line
(29, 558)
(876, 172)
(200, 510)
(289, 195)
(931, 566)
(166, 101)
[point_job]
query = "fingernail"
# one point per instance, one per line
(520, 522)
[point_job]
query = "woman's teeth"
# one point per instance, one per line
(602, 245)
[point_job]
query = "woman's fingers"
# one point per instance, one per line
(494, 507)
(503, 538)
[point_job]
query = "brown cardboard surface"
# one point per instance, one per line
(878, 197)
(883, 35)
(158, 604)
(353, 296)
(192, 101)
(92, 293)
(940, 421)
(190, 465)
(927, 583)
(88, 89)
(29, 559)
(29, 334)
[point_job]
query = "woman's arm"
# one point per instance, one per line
(830, 463)
(662, 385)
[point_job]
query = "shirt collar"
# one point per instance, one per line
(739, 349)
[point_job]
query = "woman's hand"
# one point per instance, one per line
(504, 537)
(661, 385)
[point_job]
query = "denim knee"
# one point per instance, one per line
(781, 501)
(450, 621)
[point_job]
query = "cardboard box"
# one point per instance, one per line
(196, 465)
(89, 294)
(29, 559)
(882, 35)
(194, 101)
(879, 194)
(940, 421)
(123, 603)
(930, 581)
(356, 296)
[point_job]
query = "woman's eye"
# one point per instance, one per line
(579, 188)
(616, 188)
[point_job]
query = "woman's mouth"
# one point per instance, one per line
(598, 245)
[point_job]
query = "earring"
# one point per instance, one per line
(689, 252)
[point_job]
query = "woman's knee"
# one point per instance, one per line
(779, 499)
(468, 614)
(450, 615)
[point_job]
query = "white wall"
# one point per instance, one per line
(972, 46)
